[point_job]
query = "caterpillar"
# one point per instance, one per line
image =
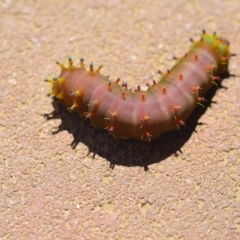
(143, 115)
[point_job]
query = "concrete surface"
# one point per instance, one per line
(51, 188)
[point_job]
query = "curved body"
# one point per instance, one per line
(144, 115)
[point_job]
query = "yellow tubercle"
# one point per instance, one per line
(91, 68)
(70, 64)
(75, 93)
(99, 69)
(59, 80)
(72, 107)
(60, 96)
(82, 65)
(48, 80)
(61, 65)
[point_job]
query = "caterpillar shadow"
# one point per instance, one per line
(129, 152)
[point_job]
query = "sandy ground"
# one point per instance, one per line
(61, 178)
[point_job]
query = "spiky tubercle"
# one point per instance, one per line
(144, 115)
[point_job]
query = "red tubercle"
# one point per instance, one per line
(145, 118)
(148, 135)
(201, 99)
(88, 115)
(210, 68)
(123, 95)
(196, 58)
(181, 77)
(164, 90)
(182, 122)
(110, 85)
(215, 78)
(225, 59)
(196, 89)
(110, 129)
(176, 108)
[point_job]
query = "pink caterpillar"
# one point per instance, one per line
(144, 115)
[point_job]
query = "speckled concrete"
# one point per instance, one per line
(53, 188)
